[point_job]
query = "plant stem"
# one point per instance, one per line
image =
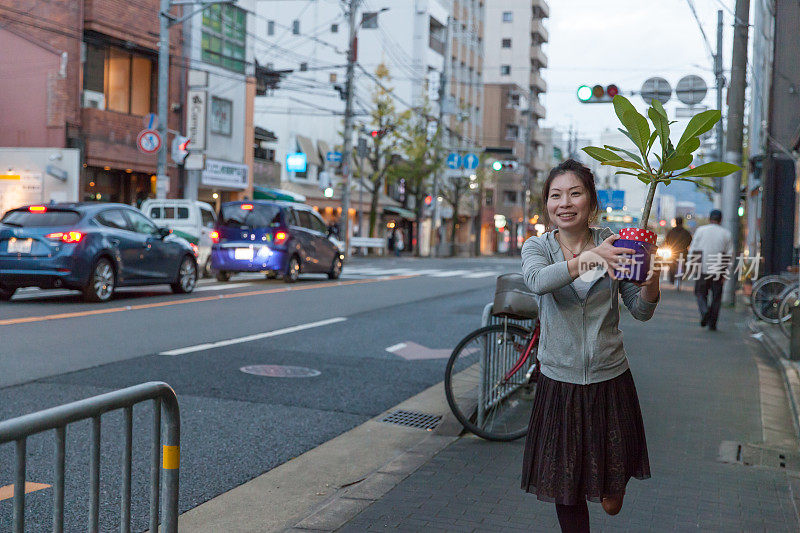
(648, 204)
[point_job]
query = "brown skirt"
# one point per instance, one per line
(584, 441)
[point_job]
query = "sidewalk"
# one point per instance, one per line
(699, 404)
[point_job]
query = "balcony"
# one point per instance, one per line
(110, 139)
(539, 34)
(538, 136)
(540, 9)
(538, 57)
(537, 109)
(537, 83)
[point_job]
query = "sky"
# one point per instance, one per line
(625, 42)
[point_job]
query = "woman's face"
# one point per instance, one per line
(568, 204)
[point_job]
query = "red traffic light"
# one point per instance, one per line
(374, 133)
(612, 90)
(183, 146)
(428, 199)
(597, 94)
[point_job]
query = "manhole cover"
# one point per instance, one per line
(278, 371)
(413, 419)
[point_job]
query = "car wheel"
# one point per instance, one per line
(6, 293)
(223, 275)
(336, 269)
(187, 277)
(101, 283)
(292, 270)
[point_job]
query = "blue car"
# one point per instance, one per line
(91, 247)
(278, 238)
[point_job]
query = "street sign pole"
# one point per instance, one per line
(163, 92)
(437, 221)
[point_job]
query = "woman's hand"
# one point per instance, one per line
(650, 287)
(615, 259)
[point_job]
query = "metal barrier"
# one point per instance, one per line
(496, 362)
(20, 428)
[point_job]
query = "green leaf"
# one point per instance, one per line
(660, 124)
(626, 173)
(716, 169)
(601, 154)
(623, 164)
(659, 107)
(626, 152)
(626, 134)
(690, 146)
(621, 106)
(652, 140)
(677, 162)
(638, 128)
(699, 124)
(644, 180)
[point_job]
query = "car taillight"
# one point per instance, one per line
(37, 209)
(247, 207)
(280, 237)
(214, 236)
(195, 249)
(66, 236)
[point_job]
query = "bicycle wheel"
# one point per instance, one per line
(791, 298)
(483, 398)
(766, 298)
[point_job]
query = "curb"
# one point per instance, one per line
(788, 369)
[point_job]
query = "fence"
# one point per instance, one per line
(57, 418)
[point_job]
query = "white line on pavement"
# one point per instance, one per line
(481, 274)
(221, 287)
(396, 347)
(449, 273)
(248, 338)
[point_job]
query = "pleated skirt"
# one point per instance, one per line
(584, 441)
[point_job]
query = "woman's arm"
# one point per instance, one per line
(641, 299)
(540, 275)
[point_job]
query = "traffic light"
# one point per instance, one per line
(597, 94)
(180, 148)
(378, 134)
(499, 166)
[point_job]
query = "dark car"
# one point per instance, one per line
(278, 238)
(91, 247)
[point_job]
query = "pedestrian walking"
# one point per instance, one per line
(392, 239)
(714, 245)
(586, 436)
(678, 240)
(398, 243)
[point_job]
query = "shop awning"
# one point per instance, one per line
(266, 193)
(307, 147)
(323, 149)
(405, 213)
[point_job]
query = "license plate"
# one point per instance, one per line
(243, 253)
(19, 246)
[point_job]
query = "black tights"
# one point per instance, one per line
(573, 518)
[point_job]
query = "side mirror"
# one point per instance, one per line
(333, 229)
(163, 232)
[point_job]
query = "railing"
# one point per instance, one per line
(57, 418)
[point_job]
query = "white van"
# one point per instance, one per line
(190, 219)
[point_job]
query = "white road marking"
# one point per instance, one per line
(249, 338)
(396, 347)
(222, 287)
(449, 273)
(481, 274)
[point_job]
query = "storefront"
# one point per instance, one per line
(222, 181)
(106, 184)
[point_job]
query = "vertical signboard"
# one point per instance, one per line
(196, 119)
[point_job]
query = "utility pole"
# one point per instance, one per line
(733, 144)
(348, 124)
(162, 179)
(720, 83)
(526, 178)
(442, 136)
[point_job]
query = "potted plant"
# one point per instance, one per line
(670, 163)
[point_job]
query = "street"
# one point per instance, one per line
(235, 425)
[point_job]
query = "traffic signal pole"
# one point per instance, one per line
(348, 124)
(162, 179)
(437, 177)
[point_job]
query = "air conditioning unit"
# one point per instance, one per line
(94, 99)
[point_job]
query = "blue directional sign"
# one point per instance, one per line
(453, 161)
(296, 162)
(615, 199)
(470, 161)
(334, 157)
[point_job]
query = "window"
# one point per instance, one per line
(488, 198)
(296, 27)
(508, 16)
(169, 212)
(207, 218)
(505, 70)
(223, 36)
(113, 219)
(369, 20)
(261, 216)
(155, 213)
(25, 218)
(125, 80)
(270, 27)
(140, 224)
(509, 197)
(334, 28)
(221, 116)
(506, 43)
(317, 224)
(305, 219)
(512, 132)
(303, 67)
(183, 213)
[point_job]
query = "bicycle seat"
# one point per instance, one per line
(513, 299)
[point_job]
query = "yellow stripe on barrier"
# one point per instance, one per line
(172, 457)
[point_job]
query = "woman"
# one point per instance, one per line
(586, 437)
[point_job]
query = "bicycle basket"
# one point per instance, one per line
(513, 299)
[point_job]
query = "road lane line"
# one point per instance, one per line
(222, 287)
(448, 273)
(249, 338)
(481, 274)
(396, 347)
(78, 314)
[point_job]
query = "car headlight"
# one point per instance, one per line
(664, 252)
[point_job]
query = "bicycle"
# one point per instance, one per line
(789, 298)
(767, 295)
(490, 378)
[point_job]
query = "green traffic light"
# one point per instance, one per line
(584, 93)
(497, 165)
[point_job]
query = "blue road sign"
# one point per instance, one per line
(470, 161)
(615, 199)
(453, 161)
(334, 157)
(296, 162)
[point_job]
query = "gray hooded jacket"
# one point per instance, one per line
(580, 338)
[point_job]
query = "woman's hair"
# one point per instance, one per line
(583, 173)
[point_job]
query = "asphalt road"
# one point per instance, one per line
(235, 426)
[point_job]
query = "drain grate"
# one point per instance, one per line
(413, 419)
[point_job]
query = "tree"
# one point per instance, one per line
(673, 161)
(382, 142)
(422, 158)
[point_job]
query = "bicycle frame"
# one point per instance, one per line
(524, 357)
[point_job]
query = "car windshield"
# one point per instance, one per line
(25, 218)
(260, 216)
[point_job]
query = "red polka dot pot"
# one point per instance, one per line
(643, 242)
